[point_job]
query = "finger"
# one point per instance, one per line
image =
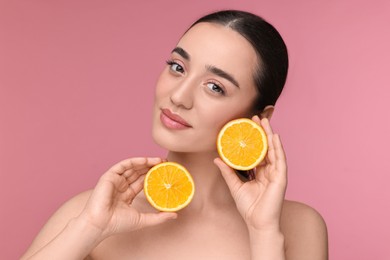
(132, 176)
(134, 189)
(119, 183)
(134, 173)
(146, 162)
(261, 175)
(231, 178)
(137, 163)
(256, 119)
(151, 219)
(138, 185)
(279, 153)
(266, 126)
(271, 157)
(268, 130)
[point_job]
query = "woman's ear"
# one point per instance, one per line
(267, 112)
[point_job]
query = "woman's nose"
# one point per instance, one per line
(183, 94)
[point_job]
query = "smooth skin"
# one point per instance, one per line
(228, 218)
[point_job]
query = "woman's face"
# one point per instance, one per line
(208, 81)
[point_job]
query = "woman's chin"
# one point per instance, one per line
(168, 145)
(164, 142)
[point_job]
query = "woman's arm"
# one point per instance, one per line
(260, 201)
(86, 220)
(299, 234)
(303, 236)
(65, 235)
(267, 244)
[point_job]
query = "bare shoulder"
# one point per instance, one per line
(72, 207)
(305, 232)
(56, 223)
(297, 213)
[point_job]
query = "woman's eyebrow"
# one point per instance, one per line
(217, 71)
(222, 74)
(181, 52)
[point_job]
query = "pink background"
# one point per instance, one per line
(76, 89)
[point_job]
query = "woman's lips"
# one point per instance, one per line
(173, 121)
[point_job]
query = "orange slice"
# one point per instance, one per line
(242, 144)
(169, 186)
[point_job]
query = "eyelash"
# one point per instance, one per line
(221, 90)
(172, 63)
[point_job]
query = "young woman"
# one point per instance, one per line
(229, 64)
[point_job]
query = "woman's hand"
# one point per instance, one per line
(109, 208)
(260, 201)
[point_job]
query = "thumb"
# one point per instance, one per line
(151, 219)
(230, 176)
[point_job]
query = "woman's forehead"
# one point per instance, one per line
(210, 44)
(216, 37)
(218, 45)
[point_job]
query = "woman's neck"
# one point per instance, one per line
(210, 187)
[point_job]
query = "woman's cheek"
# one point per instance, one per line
(163, 83)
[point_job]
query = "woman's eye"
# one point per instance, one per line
(175, 66)
(215, 88)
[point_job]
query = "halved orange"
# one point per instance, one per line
(169, 186)
(242, 144)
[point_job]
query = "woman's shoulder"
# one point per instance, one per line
(304, 228)
(76, 202)
(297, 215)
(70, 209)
(300, 210)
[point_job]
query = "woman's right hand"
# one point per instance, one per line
(109, 207)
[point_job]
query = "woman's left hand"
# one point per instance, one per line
(260, 201)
